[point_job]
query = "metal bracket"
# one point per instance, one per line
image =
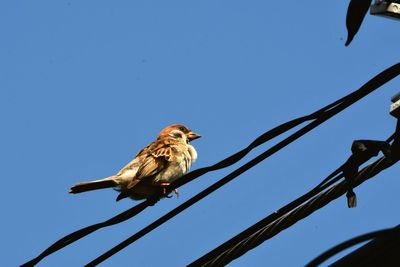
(388, 9)
(395, 106)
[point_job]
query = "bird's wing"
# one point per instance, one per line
(153, 159)
(130, 169)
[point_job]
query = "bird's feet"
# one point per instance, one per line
(165, 193)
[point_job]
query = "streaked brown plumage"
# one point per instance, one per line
(154, 167)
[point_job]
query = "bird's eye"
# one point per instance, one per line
(182, 129)
(178, 135)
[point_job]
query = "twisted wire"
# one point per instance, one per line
(318, 117)
(269, 230)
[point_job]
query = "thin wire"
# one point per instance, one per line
(140, 207)
(85, 231)
(350, 99)
(176, 211)
(63, 242)
(217, 185)
(203, 194)
(372, 169)
(247, 240)
(70, 238)
(370, 86)
(328, 111)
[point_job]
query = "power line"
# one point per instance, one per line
(373, 84)
(63, 242)
(266, 229)
(165, 218)
(327, 114)
(140, 207)
(318, 117)
(218, 258)
(210, 189)
(68, 239)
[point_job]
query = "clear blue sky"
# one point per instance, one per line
(85, 84)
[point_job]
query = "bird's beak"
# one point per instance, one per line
(191, 136)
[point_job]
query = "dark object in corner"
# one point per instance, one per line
(355, 15)
(381, 251)
(388, 9)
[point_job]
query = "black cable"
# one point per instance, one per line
(63, 242)
(395, 149)
(252, 240)
(182, 207)
(85, 231)
(352, 242)
(329, 111)
(266, 229)
(372, 170)
(373, 84)
(215, 186)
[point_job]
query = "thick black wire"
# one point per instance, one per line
(247, 240)
(217, 252)
(370, 86)
(227, 248)
(216, 185)
(85, 231)
(222, 164)
(328, 112)
(63, 242)
(373, 84)
(352, 242)
(277, 226)
(177, 210)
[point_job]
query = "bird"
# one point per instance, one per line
(152, 170)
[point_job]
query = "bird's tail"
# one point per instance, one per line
(93, 185)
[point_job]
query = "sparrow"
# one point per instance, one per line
(152, 170)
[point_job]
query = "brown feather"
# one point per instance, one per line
(88, 186)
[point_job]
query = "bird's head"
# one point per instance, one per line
(175, 129)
